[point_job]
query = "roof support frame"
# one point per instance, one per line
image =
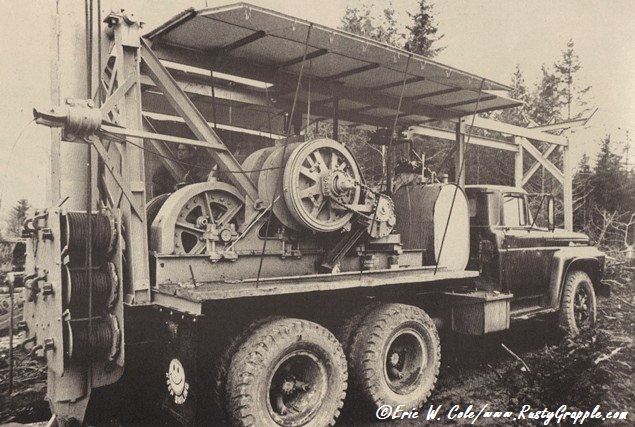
(435, 93)
(221, 92)
(520, 143)
(409, 80)
(299, 59)
(282, 79)
(536, 154)
(534, 168)
(241, 42)
(505, 128)
(474, 140)
(197, 123)
(469, 101)
(352, 72)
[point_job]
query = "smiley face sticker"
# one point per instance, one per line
(176, 382)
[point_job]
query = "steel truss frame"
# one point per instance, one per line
(521, 143)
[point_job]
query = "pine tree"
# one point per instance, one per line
(545, 102)
(423, 32)
(367, 22)
(609, 180)
(571, 94)
(17, 217)
(582, 190)
(518, 116)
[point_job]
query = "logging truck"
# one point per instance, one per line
(269, 292)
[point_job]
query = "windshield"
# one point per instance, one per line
(514, 212)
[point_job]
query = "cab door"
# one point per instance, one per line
(525, 257)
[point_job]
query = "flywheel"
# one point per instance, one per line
(182, 221)
(321, 180)
(312, 185)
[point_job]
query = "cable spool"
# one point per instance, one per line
(76, 289)
(104, 233)
(102, 339)
(82, 119)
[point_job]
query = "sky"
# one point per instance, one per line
(485, 37)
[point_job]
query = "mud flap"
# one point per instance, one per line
(181, 397)
(602, 289)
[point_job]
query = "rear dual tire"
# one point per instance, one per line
(394, 355)
(286, 372)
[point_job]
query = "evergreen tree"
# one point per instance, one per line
(571, 94)
(17, 217)
(423, 32)
(377, 24)
(518, 116)
(545, 102)
(367, 21)
(610, 180)
(582, 189)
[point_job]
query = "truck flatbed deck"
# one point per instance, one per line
(190, 297)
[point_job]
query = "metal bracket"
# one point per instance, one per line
(129, 32)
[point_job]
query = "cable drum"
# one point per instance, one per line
(76, 289)
(103, 232)
(76, 339)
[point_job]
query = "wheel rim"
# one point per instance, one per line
(582, 306)
(297, 388)
(406, 359)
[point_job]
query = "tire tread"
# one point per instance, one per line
(366, 346)
(251, 355)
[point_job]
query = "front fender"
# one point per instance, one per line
(585, 258)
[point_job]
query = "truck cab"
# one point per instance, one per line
(537, 263)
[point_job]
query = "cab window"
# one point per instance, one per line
(483, 209)
(514, 212)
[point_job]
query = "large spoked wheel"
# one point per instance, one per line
(320, 179)
(288, 372)
(395, 356)
(578, 308)
(183, 219)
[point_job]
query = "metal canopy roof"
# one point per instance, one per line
(366, 77)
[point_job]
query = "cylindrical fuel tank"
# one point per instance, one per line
(422, 221)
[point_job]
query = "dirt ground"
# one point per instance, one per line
(595, 368)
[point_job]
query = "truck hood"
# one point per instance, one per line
(571, 236)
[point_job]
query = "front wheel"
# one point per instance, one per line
(288, 372)
(578, 308)
(395, 356)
